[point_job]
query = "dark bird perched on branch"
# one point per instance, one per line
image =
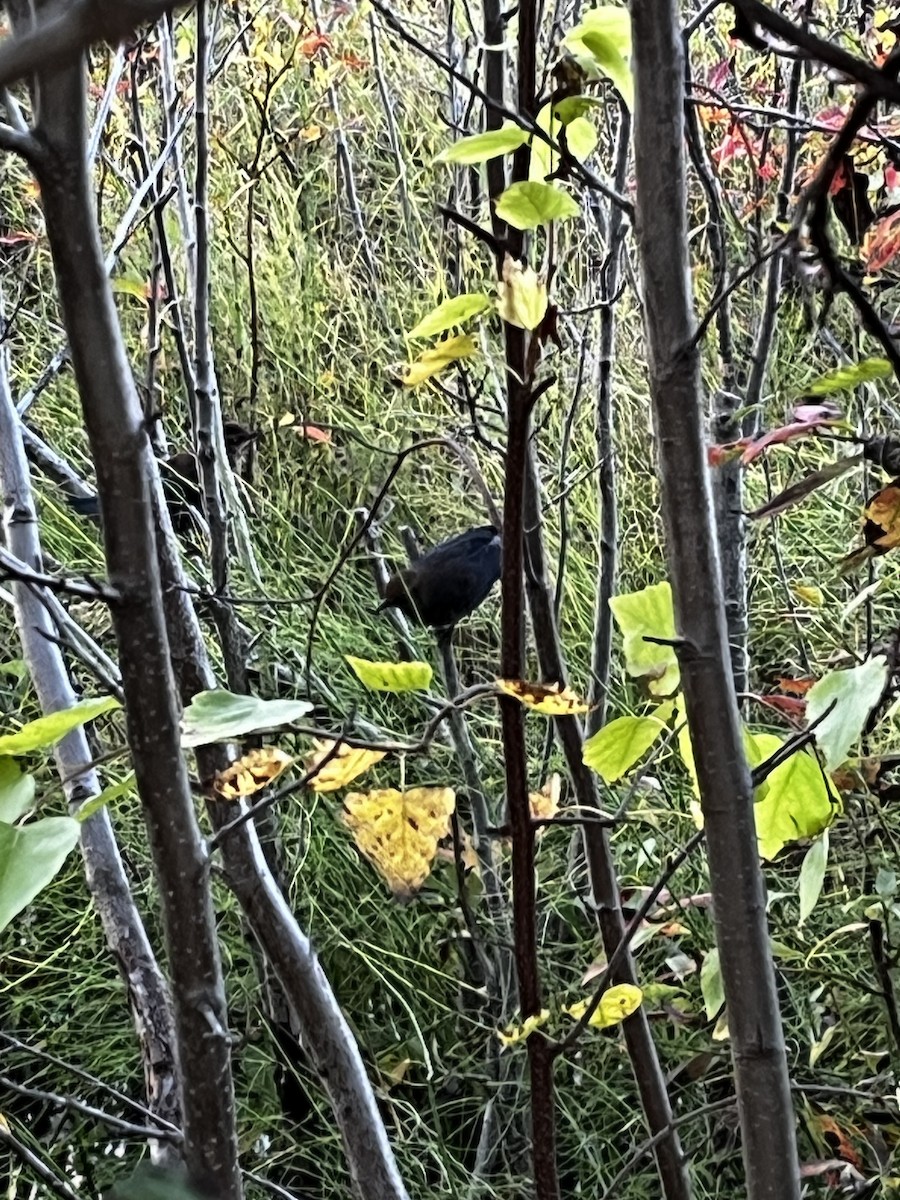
(448, 582)
(181, 478)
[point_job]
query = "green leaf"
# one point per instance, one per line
(812, 875)
(15, 667)
(581, 138)
(572, 107)
(113, 792)
(30, 856)
(842, 378)
(390, 676)
(854, 694)
(799, 803)
(886, 884)
(648, 613)
(527, 205)
(544, 159)
(47, 731)
(711, 987)
(130, 287)
(16, 791)
(482, 146)
(601, 45)
(450, 312)
(609, 62)
(221, 716)
(615, 748)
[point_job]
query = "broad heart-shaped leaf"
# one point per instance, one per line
(852, 376)
(391, 676)
(30, 856)
(222, 716)
(618, 746)
(571, 107)
(601, 44)
(854, 694)
(608, 61)
(812, 875)
(643, 614)
(482, 146)
(799, 801)
(527, 205)
(16, 791)
(47, 731)
(399, 831)
(450, 312)
(581, 138)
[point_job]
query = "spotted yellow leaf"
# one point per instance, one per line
(436, 359)
(518, 1033)
(399, 831)
(342, 767)
(616, 1004)
(549, 698)
(256, 770)
(390, 676)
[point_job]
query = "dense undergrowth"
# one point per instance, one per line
(330, 331)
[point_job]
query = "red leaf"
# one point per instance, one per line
(795, 687)
(313, 43)
(807, 419)
(314, 433)
(353, 61)
(882, 242)
(833, 117)
(16, 239)
(789, 706)
(725, 452)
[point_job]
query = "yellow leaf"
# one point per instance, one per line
(399, 831)
(518, 1033)
(252, 773)
(440, 356)
(287, 418)
(342, 767)
(548, 698)
(615, 1005)
(813, 596)
(390, 676)
(311, 133)
(394, 1070)
(545, 803)
(522, 295)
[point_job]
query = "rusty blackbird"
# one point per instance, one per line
(448, 582)
(181, 478)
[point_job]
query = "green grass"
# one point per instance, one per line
(330, 337)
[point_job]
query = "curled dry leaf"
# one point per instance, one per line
(616, 1004)
(552, 699)
(545, 803)
(251, 773)
(399, 831)
(519, 1033)
(342, 767)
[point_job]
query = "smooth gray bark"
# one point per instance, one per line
(761, 1075)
